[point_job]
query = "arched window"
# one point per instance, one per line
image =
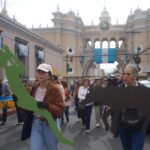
(112, 44)
(121, 45)
(105, 44)
(97, 44)
(88, 45)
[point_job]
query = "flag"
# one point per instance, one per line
(111, 55)
(98, 55)
(105, 55)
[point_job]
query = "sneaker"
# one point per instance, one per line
(87, 131)
(19, 123)
(97, 125)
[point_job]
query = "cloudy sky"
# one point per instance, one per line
(38, 12)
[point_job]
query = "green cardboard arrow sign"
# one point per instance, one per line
(13, 68)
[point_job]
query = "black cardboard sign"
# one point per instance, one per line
(122, 97)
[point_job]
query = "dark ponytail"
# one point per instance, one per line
(50, 75)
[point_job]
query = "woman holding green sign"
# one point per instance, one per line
(48, 97)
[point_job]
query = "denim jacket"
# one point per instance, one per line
(5, 90)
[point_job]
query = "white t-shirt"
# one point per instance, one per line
(39, 95)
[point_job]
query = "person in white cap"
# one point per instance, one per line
(48, 97)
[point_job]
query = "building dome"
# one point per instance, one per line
(104, 13)
(137, 11)
(71, 13)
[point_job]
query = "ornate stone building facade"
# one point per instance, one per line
(69, 44)
(30, 48)
(78, 40)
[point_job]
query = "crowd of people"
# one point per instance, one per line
(57, 96)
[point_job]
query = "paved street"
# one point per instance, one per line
(98, 139)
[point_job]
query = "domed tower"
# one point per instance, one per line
(105, 19)
(105, 16)
(138, 11)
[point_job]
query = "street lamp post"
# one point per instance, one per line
(136, 57)
(137, 60)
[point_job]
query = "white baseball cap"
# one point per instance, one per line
(45, 67)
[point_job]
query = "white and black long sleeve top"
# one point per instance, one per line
(82, 92)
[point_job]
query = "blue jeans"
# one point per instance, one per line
(131, 140)
(42, 136)
(66, 112)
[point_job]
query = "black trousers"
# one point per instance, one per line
(86, 116)
(4, 114)
(114, 120)
(20, 114)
